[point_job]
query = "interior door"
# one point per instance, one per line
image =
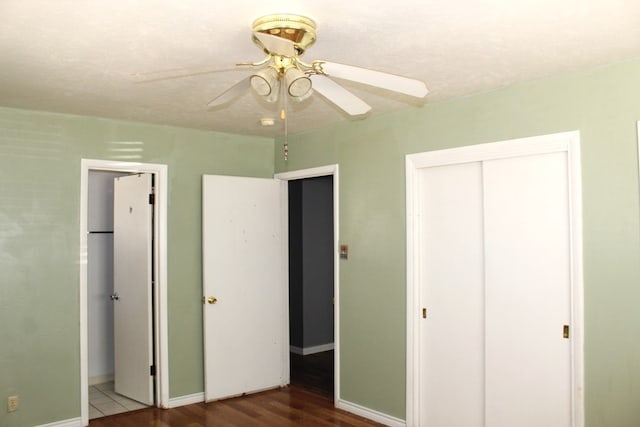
(245, 286)
(132, 274)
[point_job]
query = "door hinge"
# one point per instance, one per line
(152, 198)
(152, 370)
(424, 313)
(565, 331)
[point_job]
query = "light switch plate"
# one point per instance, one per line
(344, 251)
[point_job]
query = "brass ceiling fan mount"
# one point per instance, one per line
(300, 30)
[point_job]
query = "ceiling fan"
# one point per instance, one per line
(284, 38)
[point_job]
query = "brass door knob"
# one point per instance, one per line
(212, 300)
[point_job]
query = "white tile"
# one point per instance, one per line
(100, 399)
(95, 394)
(105, 386)
(110, 407)
(120, 398)
(132, 405)
(94, 413)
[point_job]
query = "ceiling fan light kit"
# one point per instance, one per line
(264, 81)
(297, 82)
(284, 38)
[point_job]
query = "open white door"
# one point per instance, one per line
(132, 274)
(245, 286)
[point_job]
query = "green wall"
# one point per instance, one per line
(39, 224)
(39, 247)
(604, 105)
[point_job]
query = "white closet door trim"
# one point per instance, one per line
(560, 142)
(495, 150)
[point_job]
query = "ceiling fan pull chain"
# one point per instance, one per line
(283, 116)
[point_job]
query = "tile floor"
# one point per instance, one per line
(104, 401)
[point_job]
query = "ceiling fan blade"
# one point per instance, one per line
(230, 94)
(177, 73)
(376, 78)
(275, 44)
(335, 93)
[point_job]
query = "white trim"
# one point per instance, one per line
(304, 351)
(568, 142)
(190, 399)
(284, 249)
(308, 173)
(413, 303)
(312, 173)
(638, 148)
(72, 422)
(494, 150)
(162, 348)
(577, 279)
(370, 414)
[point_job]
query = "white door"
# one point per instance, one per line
(451, 233)
(132, 274)
(495, 279)
(527, 291)
(245, 285)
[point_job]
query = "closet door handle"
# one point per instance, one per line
(115, 297)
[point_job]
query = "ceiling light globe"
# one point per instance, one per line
(260, 85)
(264, 81)
(298, 83)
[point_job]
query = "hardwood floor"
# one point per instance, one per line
(289, 406)
(313, 372)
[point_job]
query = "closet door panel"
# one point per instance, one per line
(451, 265)
(527, 294)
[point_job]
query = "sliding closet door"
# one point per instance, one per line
(527, 291)
(451, 265)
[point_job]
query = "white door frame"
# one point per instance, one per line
(330, 170)
(161, 338)
(568, 142)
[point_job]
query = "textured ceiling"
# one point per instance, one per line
(79, 56)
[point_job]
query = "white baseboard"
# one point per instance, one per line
(175, 402)
(100, 379)
(311, 350)
(371, 414)
(74, 422)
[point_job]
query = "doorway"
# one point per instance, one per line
(103, 399)
(97, 297)
(329, 363)
(311, 283)
(238, 232)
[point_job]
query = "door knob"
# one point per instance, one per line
(212, 300)
(115, 297)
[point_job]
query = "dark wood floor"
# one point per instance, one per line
(289, 406)
(313, 372)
